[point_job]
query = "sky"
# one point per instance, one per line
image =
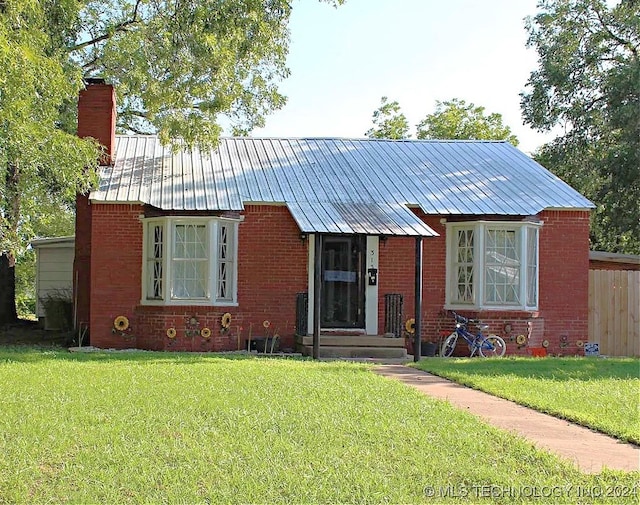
(343, 60)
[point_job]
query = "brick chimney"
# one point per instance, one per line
(97, 119)
(97, 116)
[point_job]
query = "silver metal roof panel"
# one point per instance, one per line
(338, 185)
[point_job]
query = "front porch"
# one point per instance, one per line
(349, 346)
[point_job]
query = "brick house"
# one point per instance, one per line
(323, 235)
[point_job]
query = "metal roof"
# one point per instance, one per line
(66, 241)
(338, 185)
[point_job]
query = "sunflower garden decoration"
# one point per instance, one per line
(225, 322)
(410, 326)
(122, 326)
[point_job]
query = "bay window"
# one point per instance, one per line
(492, 265)
(190, 261)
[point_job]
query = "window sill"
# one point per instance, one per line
(492, 308)
(187, 303)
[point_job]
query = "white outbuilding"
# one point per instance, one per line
(54, 274)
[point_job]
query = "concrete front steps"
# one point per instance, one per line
(349, 346)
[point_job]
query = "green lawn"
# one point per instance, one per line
(189, 428)
(603, 394)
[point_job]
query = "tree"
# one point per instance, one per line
(182, 68)
(452, 119)
(588, 82)
(389, 122)
(38, 161)
(455, 119)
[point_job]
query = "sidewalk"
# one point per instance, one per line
(589, 450)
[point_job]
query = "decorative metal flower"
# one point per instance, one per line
(205, 333)
(171, 333)
(410, 326)
(225, 322)
(121, 323)
(545, 343)
(579, 343)
(266, 323)
(521, 339)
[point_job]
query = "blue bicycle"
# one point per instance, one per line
(487, 346)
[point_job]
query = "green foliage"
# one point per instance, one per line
(174, 428)
(389, 122)
(58, 309)
(183, 68)
(40, 165)
(452, 119)
(598, 393)
(455, 119)
(26, 284)
(588, 82)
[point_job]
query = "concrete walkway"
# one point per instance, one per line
(590, 451)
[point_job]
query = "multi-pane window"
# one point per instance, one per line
(225, 262)
(190, 261)
(463, 266)
(532, 267)
(493, 265)
(154, 261)
(501, 267)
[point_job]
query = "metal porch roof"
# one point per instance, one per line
(338, 185)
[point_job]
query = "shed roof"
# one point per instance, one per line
(338, 185)
(65, 241)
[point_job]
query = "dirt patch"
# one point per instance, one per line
(30, 333)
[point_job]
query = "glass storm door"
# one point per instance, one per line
(342, 291)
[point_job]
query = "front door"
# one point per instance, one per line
(342, 291)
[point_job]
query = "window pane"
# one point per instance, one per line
(155, 261)
(224, 289)
(502, 267)
(463, 267)
(190, 261)
(532, 267)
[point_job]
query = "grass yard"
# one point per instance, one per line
(603, 394)
(189, 428)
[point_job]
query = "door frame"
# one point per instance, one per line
(371, 260)
(351, 291)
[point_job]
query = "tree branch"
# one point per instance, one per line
(120, 27)
(133, 129)
(618, 39)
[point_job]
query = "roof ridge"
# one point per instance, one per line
(352, 139)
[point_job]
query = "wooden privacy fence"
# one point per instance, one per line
(614, 311)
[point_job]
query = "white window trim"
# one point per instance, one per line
(479, 228)
(168, 238)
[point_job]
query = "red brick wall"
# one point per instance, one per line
(272, 263)
(397, 275)
(116, 262)
(272, 268)
(564, 279)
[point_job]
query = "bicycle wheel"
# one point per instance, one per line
(493, 346)
(449, 345)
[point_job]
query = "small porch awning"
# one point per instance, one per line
(367, 218)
